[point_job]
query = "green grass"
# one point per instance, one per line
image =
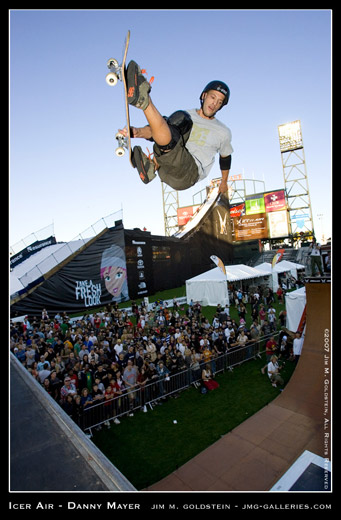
(149, 446)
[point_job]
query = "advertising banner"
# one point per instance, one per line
(254, 204)
(139, 263)
(238, 210)
(274, 200)
(30, 250)
(278, 224)
(95, 277)
(250, 227)
(185, 213)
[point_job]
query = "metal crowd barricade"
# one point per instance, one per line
(162, 387)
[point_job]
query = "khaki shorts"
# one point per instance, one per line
(177, 168)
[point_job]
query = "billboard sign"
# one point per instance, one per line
(278, 223)
(250, 227)
(185, 213)
(254, 204)
(274, 200)
(290, 136)
(238, 210)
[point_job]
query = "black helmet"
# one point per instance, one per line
(220, 86)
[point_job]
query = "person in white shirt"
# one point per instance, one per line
(273, 372)
(297, 346)
(118, 347)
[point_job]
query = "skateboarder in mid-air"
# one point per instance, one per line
(185, 143)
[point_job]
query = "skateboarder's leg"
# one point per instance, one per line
(138, 95)
(160, 130)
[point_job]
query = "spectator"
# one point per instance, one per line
(242, 339)
(297, 347)
(272, 318)
(142, 380)
(68, 405)
(108, 405)
(85, 379)
(68, 389)
(273, 372)
(266, 329)
(163, 374)
(34, 370)
(44, 373)
(30, 355)
(315, 258)
(283, 347)
(283, 317)
(262, 315)
(255, 331)
(130, 380)
(207, 378)
(86, 398)
(55, 385)
(77, 412)
(47, 386)
(42, 362)
(270, 349)
(280, 293)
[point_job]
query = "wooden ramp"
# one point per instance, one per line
(254, 456)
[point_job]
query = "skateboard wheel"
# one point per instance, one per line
(112, 63)
(111, 79)
(119, 151)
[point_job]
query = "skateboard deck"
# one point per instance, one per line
(118, 73)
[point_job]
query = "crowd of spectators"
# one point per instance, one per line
(94, 358)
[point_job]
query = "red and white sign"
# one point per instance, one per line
(274, 201)
(185, 213)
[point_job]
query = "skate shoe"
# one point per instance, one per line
(144, 165)
(138, 87)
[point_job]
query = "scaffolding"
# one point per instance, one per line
(296, 180)
(170, 198)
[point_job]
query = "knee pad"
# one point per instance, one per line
(180, 124)
(181, 120)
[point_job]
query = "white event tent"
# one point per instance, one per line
(295, 302)
(210, 288)
(281, 267)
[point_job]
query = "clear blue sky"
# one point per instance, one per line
(63, 116)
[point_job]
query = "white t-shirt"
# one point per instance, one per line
(207, 138)
(315, 251)
(297, 346)
(272, 368)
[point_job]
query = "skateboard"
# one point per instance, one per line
(118, 73)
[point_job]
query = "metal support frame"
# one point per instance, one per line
(238, 191)
(170, 198)
(297, 192)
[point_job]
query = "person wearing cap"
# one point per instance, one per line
(68, 389)
(186, 142)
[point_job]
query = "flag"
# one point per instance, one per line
(278, 256)
(219, 263)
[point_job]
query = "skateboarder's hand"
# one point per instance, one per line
(143, 133)
(223, 186)
(133, 131)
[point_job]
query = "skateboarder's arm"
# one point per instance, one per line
(142, 133)
(223, 183)
(225, 165)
